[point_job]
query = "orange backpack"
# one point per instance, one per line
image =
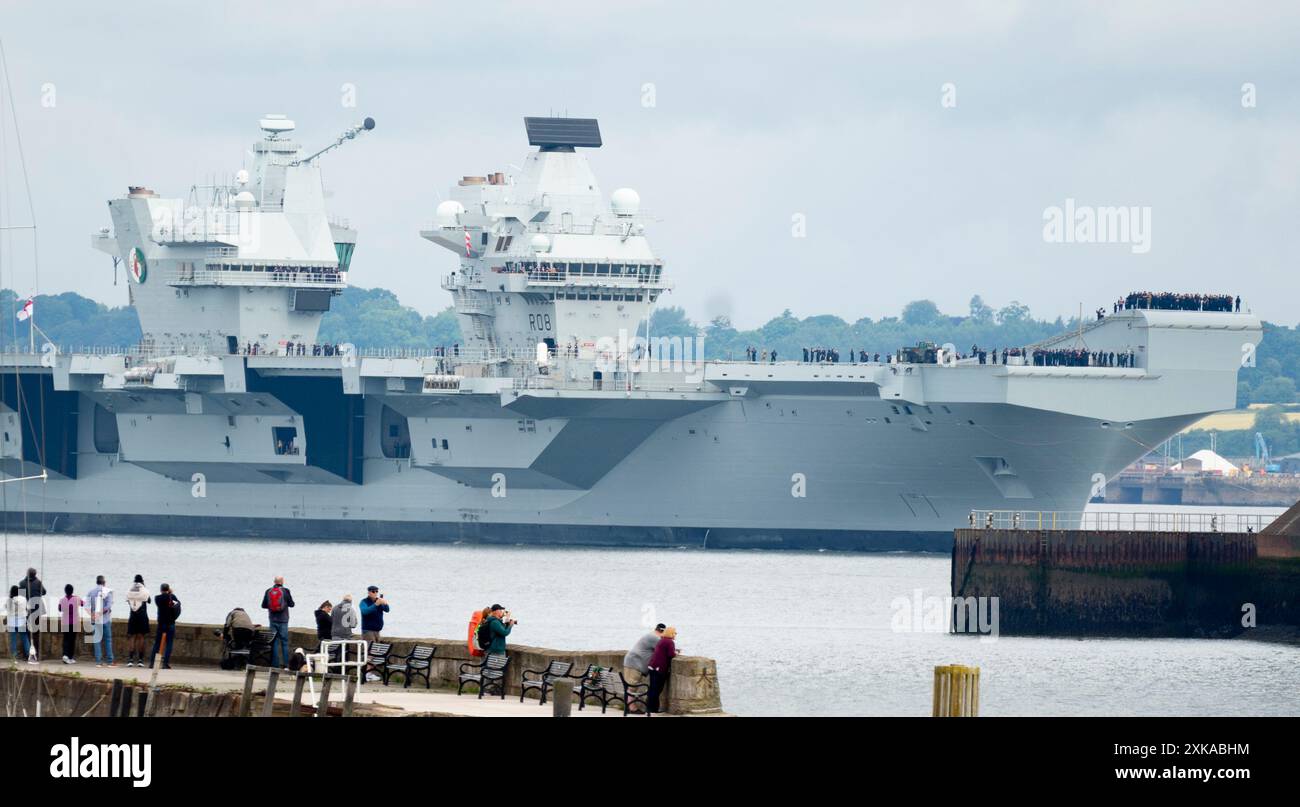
(474, 620)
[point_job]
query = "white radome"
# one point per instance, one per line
(449, 210)
(245, 199)
(540, 243)
(275, 124)
(241, 177)
(625, 202)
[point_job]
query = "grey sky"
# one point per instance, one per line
(762, 111)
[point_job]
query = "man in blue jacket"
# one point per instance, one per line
(373, 608)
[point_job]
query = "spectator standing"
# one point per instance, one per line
(100, 602)
(661, 662)
(17, 625)
(32, 588)
(169, 610)
(636, 664)
(498, 627)
(70, 622)
(324, 621)
(137, 621)
(343, 619)
(373, 608)
(34, 591)
(277, 601)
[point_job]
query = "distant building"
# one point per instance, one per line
(1206, 461)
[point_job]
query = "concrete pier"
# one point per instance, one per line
(1129, 583)
(692, 688)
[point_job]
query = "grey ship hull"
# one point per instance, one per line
(715, 467)
(885, 457)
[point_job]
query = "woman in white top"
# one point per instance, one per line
(137, 624)
(17, 625)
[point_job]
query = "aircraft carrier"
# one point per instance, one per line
(558, 419)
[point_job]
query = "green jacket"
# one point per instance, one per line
(498, 630)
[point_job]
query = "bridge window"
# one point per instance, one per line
(343, 252)
(286, 440)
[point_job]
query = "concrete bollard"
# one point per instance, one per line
(956, 691)
(562, 698)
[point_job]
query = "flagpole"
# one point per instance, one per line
(43, 334)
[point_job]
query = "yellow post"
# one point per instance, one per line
(956, 691)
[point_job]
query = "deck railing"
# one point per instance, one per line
(1118, 520)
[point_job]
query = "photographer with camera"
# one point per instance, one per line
(497, 628)
(373, 608)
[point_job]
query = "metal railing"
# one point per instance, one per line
(259, 277)
(1118, 521)
(133, 353)
(461, 355)
(1066, 336)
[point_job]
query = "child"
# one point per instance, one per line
(70, 622)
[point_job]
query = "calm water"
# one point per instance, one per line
(793, 632)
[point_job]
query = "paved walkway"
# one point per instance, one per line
(415, 700)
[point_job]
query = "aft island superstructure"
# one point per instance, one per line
(558, 418)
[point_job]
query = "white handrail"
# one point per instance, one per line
(1118, 521)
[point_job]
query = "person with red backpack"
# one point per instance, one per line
(277, 601)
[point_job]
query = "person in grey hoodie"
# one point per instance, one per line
(344, 621)
(636, 664)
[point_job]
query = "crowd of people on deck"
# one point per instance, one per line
(1075, 357)
(291, 349)
(1170, 301)
(821, 355)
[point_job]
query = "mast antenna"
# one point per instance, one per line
(364, 126)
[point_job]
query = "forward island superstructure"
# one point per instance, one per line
(558, 418)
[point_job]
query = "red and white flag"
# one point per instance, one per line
(468, 253)
(25, 313)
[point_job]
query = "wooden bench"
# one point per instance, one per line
(415, 665)
(545, 680)
(490, 673)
